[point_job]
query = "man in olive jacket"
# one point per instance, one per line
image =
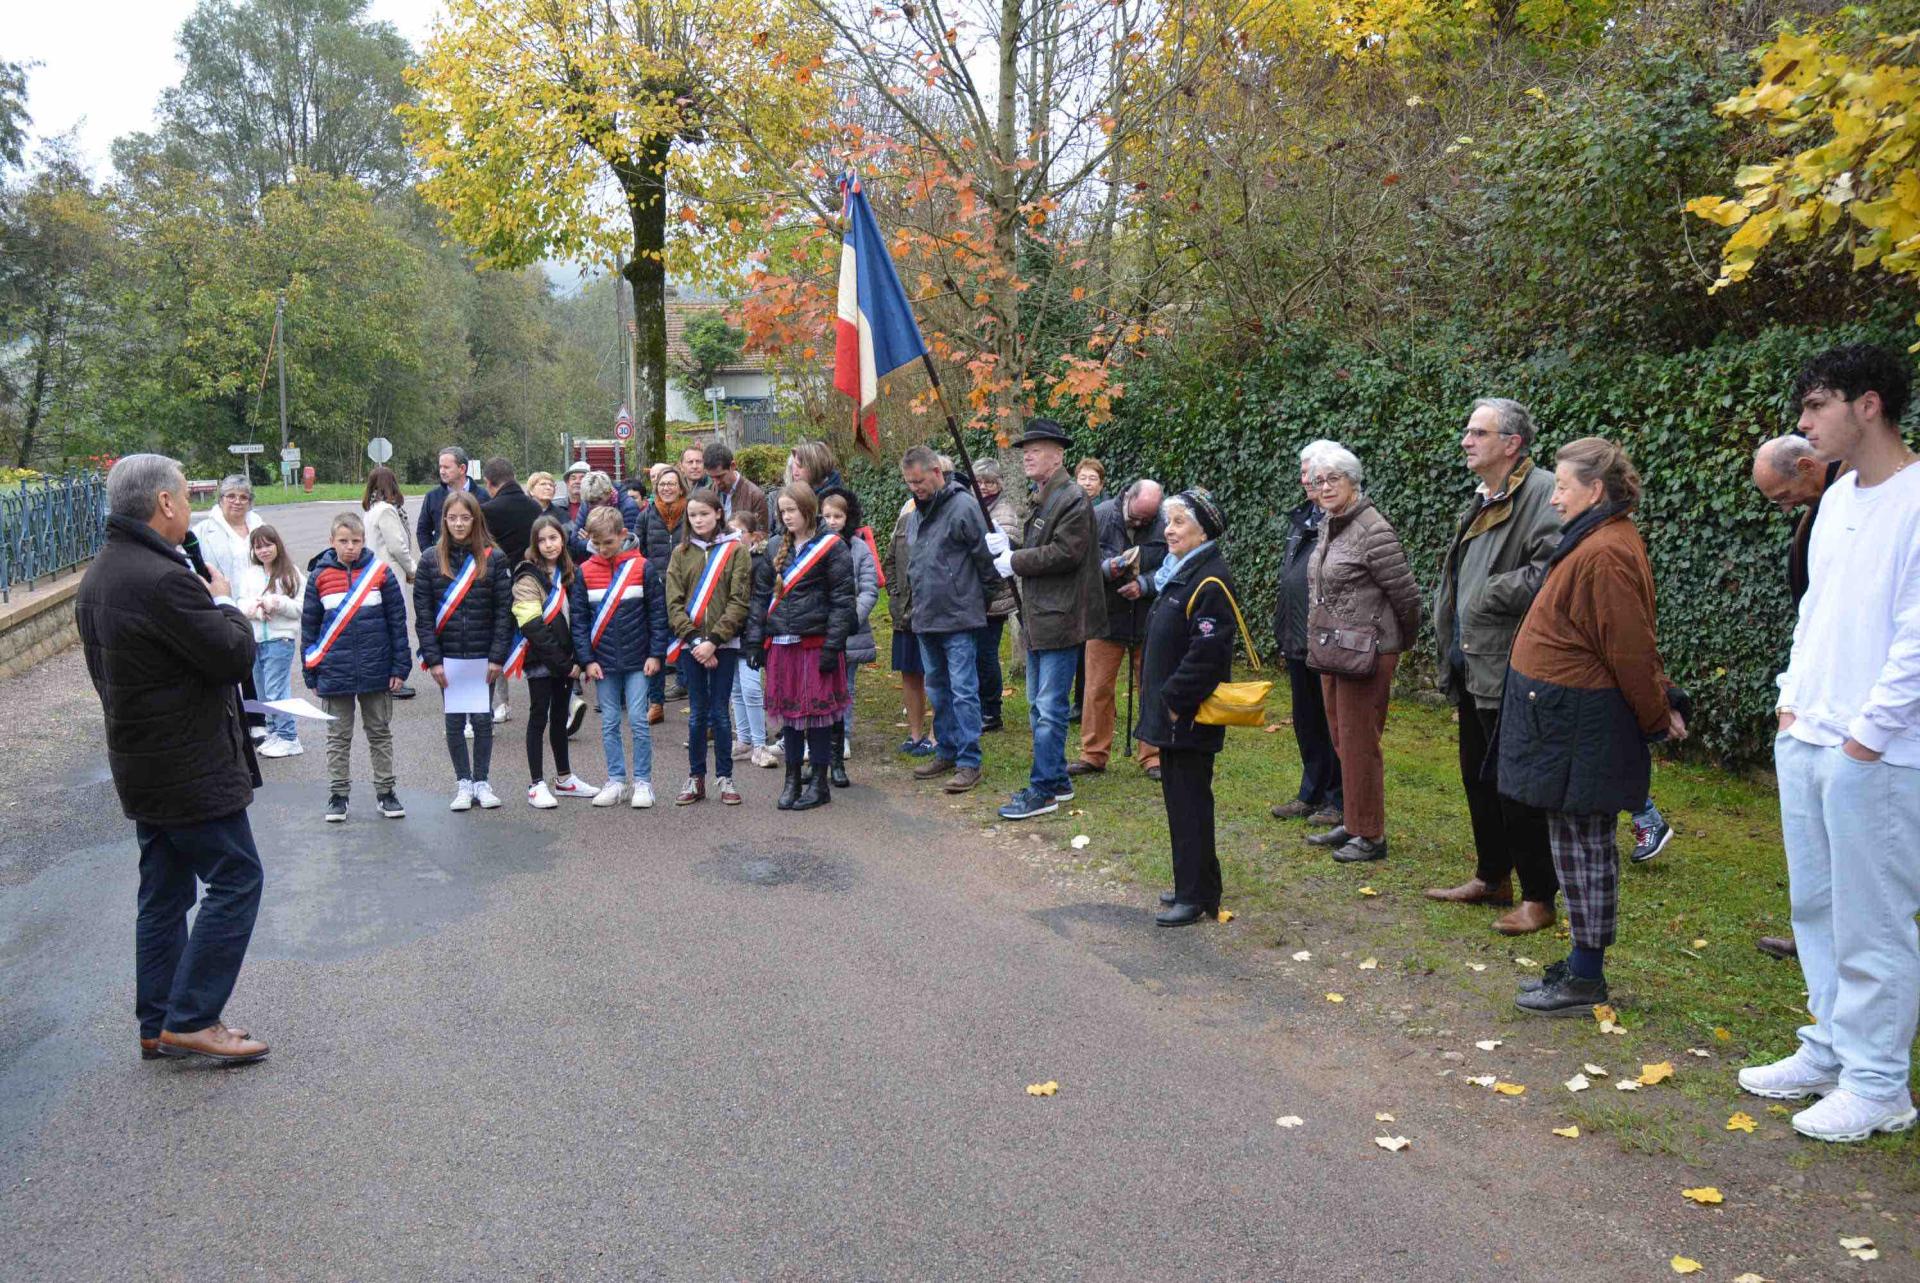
(1063, 602)
(1502, 540)
(166, 651)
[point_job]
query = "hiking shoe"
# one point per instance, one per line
(390, 807)
(642, 796)
(483, 794)
(1327, 815)
(729, 795)
(1027, 803)
(573, 786)
(337, 809)
(1555, 972)
(1359, 850)
(1294, 810)
(609, 794)
(1650, 840)
(540, 797)
(1794, 1078)
(462, 797)
(1564, 995)
(928, 770)
(1842, 1116)
(963, 780)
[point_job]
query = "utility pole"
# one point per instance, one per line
(280, 347)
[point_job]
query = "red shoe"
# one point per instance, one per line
(728, 793)
(694, 790)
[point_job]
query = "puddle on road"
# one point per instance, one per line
(751, 864)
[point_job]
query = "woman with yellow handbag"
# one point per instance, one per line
(1188, 698)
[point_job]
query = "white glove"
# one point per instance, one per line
(1004, 564)
(997, 543)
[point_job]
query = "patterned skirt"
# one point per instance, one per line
(799, 694)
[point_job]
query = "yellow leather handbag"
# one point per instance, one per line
(1233, 703)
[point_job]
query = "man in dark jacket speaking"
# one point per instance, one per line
(166, 651)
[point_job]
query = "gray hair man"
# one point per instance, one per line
(167, 651)
(1791, 475)
(1502, 538)
(1132, 532)
(950, 574)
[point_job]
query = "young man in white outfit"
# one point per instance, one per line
(1848, 761)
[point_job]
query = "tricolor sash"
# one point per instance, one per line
(809, 557)
(457, 589)
(703, 592)
(622, 580)
(336, 623)
(517, 657)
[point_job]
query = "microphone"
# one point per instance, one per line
(191, 546)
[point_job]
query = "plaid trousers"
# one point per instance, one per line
(1586, 856)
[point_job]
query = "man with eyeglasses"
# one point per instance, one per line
(1502, 539)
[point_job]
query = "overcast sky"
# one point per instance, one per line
(103, 63)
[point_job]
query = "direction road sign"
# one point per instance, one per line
(251, 447)
(290, 455)
(379, 449)
(716, 394)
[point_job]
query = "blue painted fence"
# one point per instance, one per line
(49, 525)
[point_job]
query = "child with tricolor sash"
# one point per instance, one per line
(618, 613)
(836, 510)
(709, 591)
(749, 701)
(354, 655)
(803, 615)
(543, 654)
(463, 609)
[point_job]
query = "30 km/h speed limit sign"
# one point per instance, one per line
(623, 425)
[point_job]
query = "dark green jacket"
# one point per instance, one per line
(1487, 580)
(1063, 601)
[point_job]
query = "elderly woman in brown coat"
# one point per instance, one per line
(1363, 610)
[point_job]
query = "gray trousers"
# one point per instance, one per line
(376, 709)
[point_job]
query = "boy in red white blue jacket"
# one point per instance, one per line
(618, 613)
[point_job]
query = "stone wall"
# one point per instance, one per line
(37, 625)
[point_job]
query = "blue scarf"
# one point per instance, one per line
(1171, 566)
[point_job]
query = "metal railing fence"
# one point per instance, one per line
(49, 524)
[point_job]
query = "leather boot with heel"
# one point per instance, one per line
(818, 791)
(792, 787)
(838, 773)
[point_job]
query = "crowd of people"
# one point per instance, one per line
(758, 608)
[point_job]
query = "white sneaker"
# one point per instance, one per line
(742, 749)
(642, 795)
(462, 797)
(293, 748)
(846, 750)
(573, 786)
(540, 797)
(1842, 1116)
(483, 794)
(272, 746)
(466, 729)
(609, 794)
(502, 714)
(1794, 1078)
(763, 756)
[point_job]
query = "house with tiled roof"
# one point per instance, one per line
(747, 382)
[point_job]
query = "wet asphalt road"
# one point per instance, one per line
(704, 1043)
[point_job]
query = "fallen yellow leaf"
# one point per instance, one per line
(1724, 1035)
(1369, 964)
(1627, 1084)
(1483, 1080)
(1705, 1195)
(1383, 1118)
(1487, 1044)
(1226, 915)
(1605, 1014)
(1684, 1265)
(1336, 997)
(1594, 1069)
(1651, 1074)
(1570, 1132)
(1701, 1052)
(1047, 1088)
(1852, 1243)
(1510, 1089)
(1392, 1144)
(1781, 1110)
(1740, 1122)
(1578, 1083)
(1368, 891)
(1748, 1277)
(1699, 944)
(1304, 955)
(1476, 966)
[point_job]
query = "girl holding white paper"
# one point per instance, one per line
(463, 618)
(268, 593)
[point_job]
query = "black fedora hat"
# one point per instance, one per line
(1043, 430)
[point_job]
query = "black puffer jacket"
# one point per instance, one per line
(1186, 656)
(482, 628)
(1292, 600)
(167, 663)
(1117, 535)
(549, 646)
(822, 603)
(657, 538)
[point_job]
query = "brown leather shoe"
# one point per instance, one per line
(150, 1049)
(1294, 810)
(1528, 917)
(695, 790)
(1781, 947)
(1474, 891)
(215, 1042)
(963, 779)
(931, 767)
(1082, 766)
(656, 714)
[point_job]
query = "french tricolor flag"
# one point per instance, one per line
(874, 330)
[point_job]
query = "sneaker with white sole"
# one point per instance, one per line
(483, 794)
(1651, 839)
(389, 805)
(466, 728)
(462, 797)
(609, 794)
(1794, 1078)
(337, 809)
(502, 714)
(1842, 1116)
(642, 795)
(540, 797)
(573, 786)
(274, 746)
(764, 756)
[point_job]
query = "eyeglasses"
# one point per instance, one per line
(1321, 483)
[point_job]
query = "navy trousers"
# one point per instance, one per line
(182, 981)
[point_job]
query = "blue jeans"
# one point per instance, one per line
(273, 679)
(709, 693)
(986, 666)
(954, 691)
(625, 693)
(1851, 829)
(1049, 689)
(182, 981)
(749, 705)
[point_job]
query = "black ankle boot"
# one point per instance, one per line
(838, 774)
(819, 790)
(792, 789)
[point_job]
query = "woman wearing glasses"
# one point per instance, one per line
(1363, 610)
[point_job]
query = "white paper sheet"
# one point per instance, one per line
(295, 707)
(467, 686)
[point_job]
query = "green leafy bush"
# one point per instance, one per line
(764, 465)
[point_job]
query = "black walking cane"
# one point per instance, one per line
(1133, 639)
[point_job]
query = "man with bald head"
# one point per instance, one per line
(1133, 542)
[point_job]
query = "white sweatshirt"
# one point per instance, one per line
(1855, 668)
(274, 616)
